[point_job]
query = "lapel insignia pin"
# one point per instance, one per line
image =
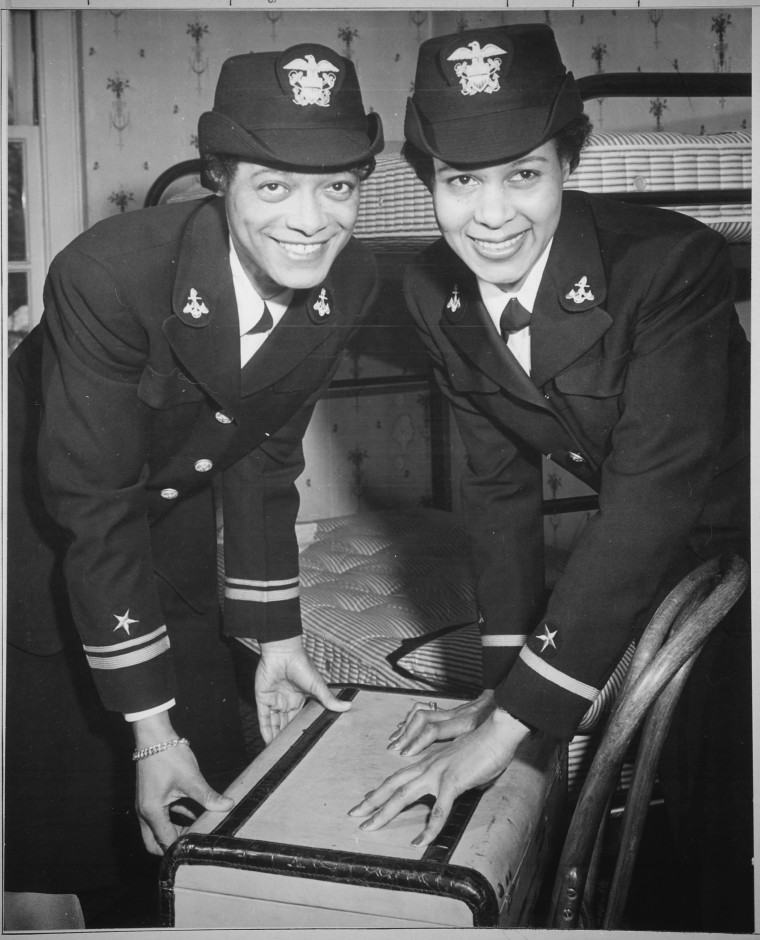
(477, 68)
(195, 306)
(322, 306)
(311, 81)
(581, 293)
(454, 302)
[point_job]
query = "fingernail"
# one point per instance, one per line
(417, 841)
(365, 824)
(393, 746)
(405, 752)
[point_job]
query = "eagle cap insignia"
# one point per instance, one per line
(477, 67)
(311, 75)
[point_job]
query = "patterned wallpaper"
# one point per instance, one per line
(648, 40)
(147, 75)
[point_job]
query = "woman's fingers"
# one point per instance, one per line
(438, 815)
(376, 798)
(403, 795)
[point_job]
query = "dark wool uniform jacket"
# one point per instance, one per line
(639, 387)
(125, 402)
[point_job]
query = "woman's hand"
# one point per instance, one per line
(285, 679)
(163, 779)
(474, 759)
(425, 723)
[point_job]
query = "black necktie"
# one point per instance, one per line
(514, 317)
(263, 325)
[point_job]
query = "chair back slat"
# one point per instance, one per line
(664, 656)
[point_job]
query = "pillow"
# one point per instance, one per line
(450, 660)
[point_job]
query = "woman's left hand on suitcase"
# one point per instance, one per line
(473, 759)
(426, 723)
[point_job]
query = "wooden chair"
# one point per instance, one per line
(664, 657)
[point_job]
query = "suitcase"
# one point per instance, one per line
(288, 856)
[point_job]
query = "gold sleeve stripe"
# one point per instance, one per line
(261, 597)
(503, 639)
(126, 644)
(558, 678)
(125, 660)
(242, 582)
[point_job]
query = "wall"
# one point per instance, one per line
(664, 40)
(147, 75)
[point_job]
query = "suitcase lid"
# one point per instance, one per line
(292, 803)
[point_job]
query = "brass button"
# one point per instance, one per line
(169, 493)
(203, 466)
(576, 457)
(222, 418)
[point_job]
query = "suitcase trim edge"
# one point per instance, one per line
(333, 865)
(432, 874)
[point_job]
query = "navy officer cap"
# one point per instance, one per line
(297, 109)
(490, 95)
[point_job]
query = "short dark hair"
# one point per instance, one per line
(570, 141)
(218, 170)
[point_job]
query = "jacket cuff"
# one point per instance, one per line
(543, 704)
(263, 621)
(137, 688)
(497, 662)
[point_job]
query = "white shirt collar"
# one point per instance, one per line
(249, 302)
(495, 299)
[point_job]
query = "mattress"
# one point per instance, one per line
(388, 599)
(397, 214)
(372, 580)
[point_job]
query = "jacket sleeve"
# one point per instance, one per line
(653, 487)
(260, 499)
(260, 505)
(92, 464)
(501, 504)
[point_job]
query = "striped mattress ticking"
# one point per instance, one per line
(396, 210)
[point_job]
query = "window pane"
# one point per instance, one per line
(18, 307)
(17, 250)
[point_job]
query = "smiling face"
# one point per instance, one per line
(500, 218)
(288, 227)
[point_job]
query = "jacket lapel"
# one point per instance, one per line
(568, 316)
(312, 316)
(466, 323)
(204, 329)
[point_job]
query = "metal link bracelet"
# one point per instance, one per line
(143, 752)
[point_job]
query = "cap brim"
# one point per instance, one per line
(493, 137)
(485, 138)
(308, 148)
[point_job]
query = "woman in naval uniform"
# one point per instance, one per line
(180, 347)
(604, 336)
